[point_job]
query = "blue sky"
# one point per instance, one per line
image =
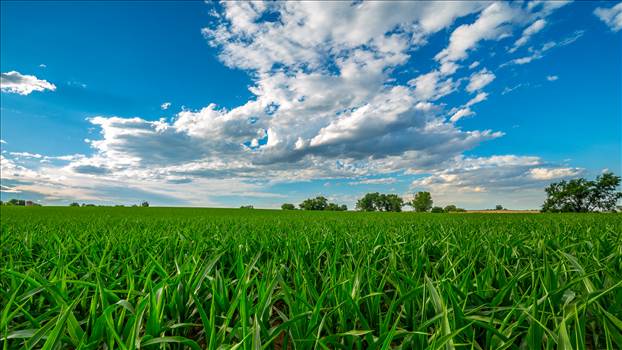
(195, 104)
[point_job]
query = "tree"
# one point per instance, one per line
(144, 204)
(581, 195)
(336, 207)
(498, 207)
(317, 203)
(380, 202)
(288, 206)
(449, 208)
(422, 202)
(368, 202)
(247, 207)
(391, 202)
(74, 204)
(437, 210)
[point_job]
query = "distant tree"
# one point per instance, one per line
(336, 207)
(317, 203)
(380, 202)
(498, 207)
(74, 204)
(422, 202)
(581, 195)
(449, 208)
(288, 206)
(16, 202)
(144, 204)
(391, 202)
(368, 202)
(437, 210)
(247, 207)
(460, 210)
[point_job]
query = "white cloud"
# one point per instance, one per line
(479, 80)
(534, 28)
(611, 16)
(461, 113)
(537, 54)
(552, 77)
(326, 104)
(2, 141)
(25, 155)
(553, 173)
(43, 65)
(165, 106)
(490, 25)
(517, 180)
(15, 82)
(482, 96)
(376, 181)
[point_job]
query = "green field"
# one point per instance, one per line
(164, 278)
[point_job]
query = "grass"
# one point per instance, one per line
(163, 278)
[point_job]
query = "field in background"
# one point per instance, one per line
(171, 278)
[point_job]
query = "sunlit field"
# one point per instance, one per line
(165, 278)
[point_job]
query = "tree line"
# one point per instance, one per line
(577, 195)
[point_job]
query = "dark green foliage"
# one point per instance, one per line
(498, 207)
(380, 202)
(288, 206)
(422, 202)
(581, 195)
(317, 203)
(74, 204)
(453, 209)
(320, 203)
(181, 278)
(336, 207)
(144, 204)
(437, 210)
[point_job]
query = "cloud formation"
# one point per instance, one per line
(611, 16)
(15, 82)
(327, 103)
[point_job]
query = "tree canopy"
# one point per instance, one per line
(288, 206)
(581, 195)
(422, 202)
(320, 203)
(380, 202)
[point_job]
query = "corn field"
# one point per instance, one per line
(172, 278)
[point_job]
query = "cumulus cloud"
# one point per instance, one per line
(479, 80)
(326, 104)
(611, 16)
(552, 77)
(15, 82)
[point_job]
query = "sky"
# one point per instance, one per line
(238, 103)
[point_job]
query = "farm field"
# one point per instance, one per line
(173, 278)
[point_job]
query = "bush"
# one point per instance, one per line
(437, 210)
(288, 206)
